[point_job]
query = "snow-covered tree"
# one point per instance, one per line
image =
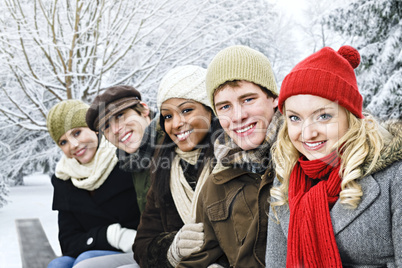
(53, 50)
(374, 27)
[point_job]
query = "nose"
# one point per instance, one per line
(239, 113)
(178, 121)
(115, 127)
(309, 131)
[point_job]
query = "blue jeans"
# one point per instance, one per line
(68, 262)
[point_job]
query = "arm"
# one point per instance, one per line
(276, 243)
(396, 212)
(153, 239)
(210, 251)
(74, 240)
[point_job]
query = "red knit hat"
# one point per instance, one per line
(327, 74)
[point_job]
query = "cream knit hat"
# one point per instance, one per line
(64, 116)
(239, 63)
(187, 82)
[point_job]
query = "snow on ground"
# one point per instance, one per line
(32, 200)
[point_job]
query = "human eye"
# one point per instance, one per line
(248, 100)
(186, 110)
(294, 118)
(325, 117)
(77, 133)
(224, 107)
(167, 116)
(62, 142)
(119, 115)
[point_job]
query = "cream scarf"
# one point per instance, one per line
(184, 197)
(89, 176)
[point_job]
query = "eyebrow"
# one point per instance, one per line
(239, 98)
(181, 104)
(314, 112)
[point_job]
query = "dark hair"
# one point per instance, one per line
(160, 175)
(235, 83)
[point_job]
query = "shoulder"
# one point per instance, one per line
(391, 174)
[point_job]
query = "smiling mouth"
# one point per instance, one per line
(126, 137)
(80, 152)
(313, 145)
(245, 129)
(184, 135)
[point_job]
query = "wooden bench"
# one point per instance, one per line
(35, 248)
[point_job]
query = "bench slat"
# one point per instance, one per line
(35, 248)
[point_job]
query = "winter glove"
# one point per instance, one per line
(120, 237)
(188, 239)
(215, 265)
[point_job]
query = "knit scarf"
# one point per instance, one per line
(184, 197)
(311, 238)
(89, 176)
(228, 153)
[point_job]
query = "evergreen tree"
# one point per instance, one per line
(374, 27)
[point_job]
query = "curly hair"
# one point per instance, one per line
(359, 150)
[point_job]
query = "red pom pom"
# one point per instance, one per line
(351, 55)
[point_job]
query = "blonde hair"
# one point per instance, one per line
(359, 150)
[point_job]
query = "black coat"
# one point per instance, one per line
(84, 216)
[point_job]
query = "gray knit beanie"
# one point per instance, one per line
(187, 82)
(64, 116)
(239, 63)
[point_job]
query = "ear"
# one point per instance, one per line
(276, 102)
(146, 112)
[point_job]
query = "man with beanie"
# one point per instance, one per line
(233, 203)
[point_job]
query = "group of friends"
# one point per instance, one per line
(230, 171)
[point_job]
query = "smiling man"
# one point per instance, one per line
(233, 203)
(127, 122)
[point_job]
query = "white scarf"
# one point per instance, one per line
(89, 176)
(184, 197)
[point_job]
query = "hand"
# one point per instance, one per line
(188, 239)
(120, 237)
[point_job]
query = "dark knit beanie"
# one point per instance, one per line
(112, 101)
(64, 116)
(327, 74)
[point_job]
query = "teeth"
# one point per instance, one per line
(184, 135)
(314, 144)
(125, 137)
(245, 129)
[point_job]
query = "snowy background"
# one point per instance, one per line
(32, 200)
(116, 49)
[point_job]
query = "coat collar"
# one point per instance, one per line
(371, 189)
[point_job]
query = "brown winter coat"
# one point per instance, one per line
(233, 207)
(156, 231)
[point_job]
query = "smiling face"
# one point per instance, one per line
(245, 112)
(126, 129)
(79, 143)
(186, 122)
(314, 124)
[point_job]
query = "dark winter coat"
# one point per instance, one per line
(158, 226)
(84, 216)
(371, 234)
(233, 207)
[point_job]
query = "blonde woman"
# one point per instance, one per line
(337, 197)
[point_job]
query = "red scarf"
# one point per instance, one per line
(311, 239)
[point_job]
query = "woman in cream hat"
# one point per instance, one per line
(97, 209)
(182, 163)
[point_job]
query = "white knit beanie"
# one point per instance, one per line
(186, 82)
